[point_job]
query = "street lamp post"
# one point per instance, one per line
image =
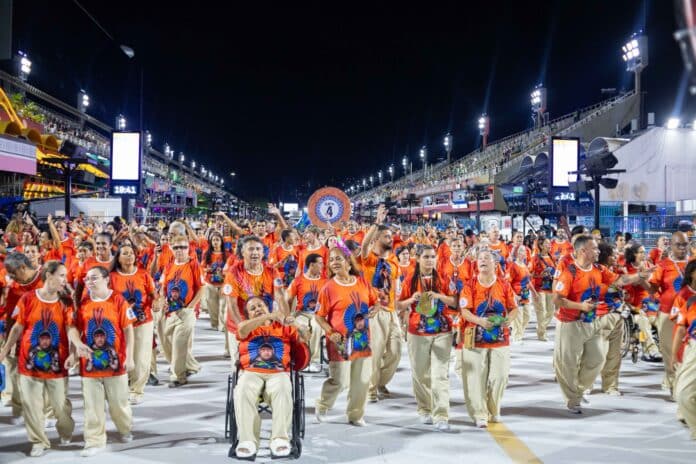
(448, 147)
(424, 159)
(379, 176)
(391, 170)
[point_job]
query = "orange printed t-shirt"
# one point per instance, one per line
(68, 248)
(137, 289)
(307, 292)
(635, 294)
(241, 285)
(500, 247)
(145, 257)
(668, 276)
(101, 324)
(382, 274)
(304, 252)
(52, 254)
(497, 299)
(213, 267)
(656, 255)
(431, 321)
(543, 270)
(266, 349)
(43, 346)
(15, 290)
(684, 311)
(180, 283)
(345, 308)
(580, 285)
(561, 249)
(520, 279)
(285, 261)
(358, 237)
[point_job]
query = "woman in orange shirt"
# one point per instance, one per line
(105, 322)
(685, 333)
(543, 270)
(44, 317)
(520, 279)
(343, 313)
(425, 295)
(487, 306)
(136, 287)
(212, 263)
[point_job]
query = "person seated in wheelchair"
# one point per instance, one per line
(267, 341)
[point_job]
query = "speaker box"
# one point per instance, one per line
(5, 29)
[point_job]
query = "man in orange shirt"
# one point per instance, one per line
(181, 288)
(495, 244)
(247, 278)
(667, 279)
(560, 246)
(381, 270)
(312, 245)
(284, 256)
(306, 288)
(354, 233)
(579, 292)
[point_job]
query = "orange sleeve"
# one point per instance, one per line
(323, 302)
(292, 289)
(563, 284)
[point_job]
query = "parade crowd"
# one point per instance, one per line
(105, 300)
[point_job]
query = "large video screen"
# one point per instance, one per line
(564, 158)
(125, 156)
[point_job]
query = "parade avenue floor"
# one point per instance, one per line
(186, 425)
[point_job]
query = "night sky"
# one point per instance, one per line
(293, 97)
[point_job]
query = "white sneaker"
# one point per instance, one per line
(481, 423)
(127, 438)
(320, 416)
(575, 409)
(87, 452)
(37, 450)
(135, 399)
(442, 426)
(495, 419)
(359, 423)
(426, 419)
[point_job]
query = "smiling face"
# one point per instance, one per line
(252, 252)
(126, 257)
(256, 307)
(338, 262)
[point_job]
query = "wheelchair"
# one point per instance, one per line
(298, 408)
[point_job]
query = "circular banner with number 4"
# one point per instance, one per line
(328, 205)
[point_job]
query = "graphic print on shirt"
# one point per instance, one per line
(45, 338)
(592, 293)
(309, 300)
(381, 280)
(134, 297)
(524, 288)
(289, 270)
(252, 287)
(100, 338)
(216, 276)
(547, 278)
(266, 352)
(614, 298)
(357, 326)
(177, 289)
(490, 309)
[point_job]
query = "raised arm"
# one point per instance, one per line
(367, 241)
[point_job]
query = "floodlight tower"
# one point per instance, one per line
(484, 126)
(635, 55)
(538, 102)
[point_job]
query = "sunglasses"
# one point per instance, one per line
(180, 247)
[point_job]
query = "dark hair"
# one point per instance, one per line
(539, 243)
(15, 260)
(352, 245)
(245, 240)
(630, 252)
(417, 273)
(105, 235)
(577, 230)
(311, 259)
(209, 251)
(400, 250)
(87, 244)
(285, 233)
(102, 270)
(606, 251)
(50, 267)
(116, 266)
(688, 272)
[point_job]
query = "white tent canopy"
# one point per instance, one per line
(660, 167)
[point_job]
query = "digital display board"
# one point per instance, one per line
(125, 156)
(565, 153)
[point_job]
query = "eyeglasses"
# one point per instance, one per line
(681, 244)
(92, 279)
(180, 247)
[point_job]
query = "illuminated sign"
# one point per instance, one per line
(125, 156)
(565, 196)
(125, 188)
(565, 153)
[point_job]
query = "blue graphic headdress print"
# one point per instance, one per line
(98, 323)
(591, 293)
(488, 308)
(274, 342)
(45, 326)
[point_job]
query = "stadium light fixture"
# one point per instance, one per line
(24, 66)
(182, 157)
(82, 101)
(635, 52)
(673, 123)
(233, 173)
(121, 122)
(148, 138)
(379, 176)
(193, 164)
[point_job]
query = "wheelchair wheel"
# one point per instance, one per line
(627, 336)
(230, 421)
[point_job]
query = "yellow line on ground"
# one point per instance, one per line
(512, 445)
